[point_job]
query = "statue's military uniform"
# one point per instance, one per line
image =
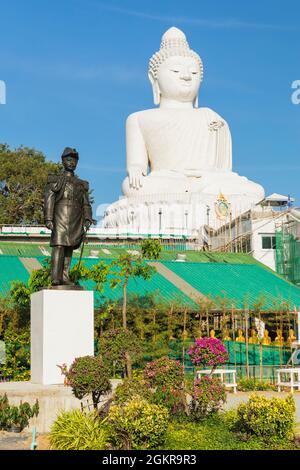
(67, 206)
(67, 212)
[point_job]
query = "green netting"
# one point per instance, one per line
(107, 251)
(241, 284)
(271, 355)
(11, 269)
(273, 358)
(288, 256)
(163, 289)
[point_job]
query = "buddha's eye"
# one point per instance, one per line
(194, 73)
(175, 71)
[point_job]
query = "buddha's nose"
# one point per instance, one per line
(186, 76)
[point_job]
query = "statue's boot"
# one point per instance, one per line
(57, 265)
(67, 261)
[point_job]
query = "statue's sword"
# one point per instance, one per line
(84, 239)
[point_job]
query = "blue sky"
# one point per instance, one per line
(75, 69)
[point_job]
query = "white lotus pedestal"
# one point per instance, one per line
(62, 328)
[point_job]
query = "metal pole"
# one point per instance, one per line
(247, 343)
(160, 213)
(207, 213)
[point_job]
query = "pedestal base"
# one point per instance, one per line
(62, 328)
(52, 400)
(176, 214)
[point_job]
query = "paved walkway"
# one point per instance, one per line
(14, 441)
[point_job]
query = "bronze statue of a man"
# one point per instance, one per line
(67, 212)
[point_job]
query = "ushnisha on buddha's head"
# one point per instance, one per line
(175, 71)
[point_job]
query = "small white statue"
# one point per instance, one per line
(178, 147)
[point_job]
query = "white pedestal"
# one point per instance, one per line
(62, 328)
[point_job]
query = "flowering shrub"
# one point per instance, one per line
(164, 372)
(208, 352)
(267, 418)
(87, 375)
(138, 425)
(166, 379)
(208, 396)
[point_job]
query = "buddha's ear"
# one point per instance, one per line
(196, 102)
(155, 89)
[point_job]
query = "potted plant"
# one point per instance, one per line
(15, 418)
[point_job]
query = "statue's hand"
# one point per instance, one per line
(87, 224)
(49, 224)
(135, 175)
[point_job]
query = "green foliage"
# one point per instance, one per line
(40, 278)
(17, 355)
(208, 396)
(75, 430)
(88, 375)
(151, 249)
(230, 419)
(128, 266)
(97, 273)
(12, 416)
(129, 389)
(267, 418)
(213, 434)
(138, 425)
(115, 343)
(251, 385)
(25, 172)
(11, 317)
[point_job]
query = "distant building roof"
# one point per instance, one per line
(276, 200)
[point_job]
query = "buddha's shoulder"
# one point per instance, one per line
(209, 112)
(143, 114)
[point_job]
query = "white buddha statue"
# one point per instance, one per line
(179, 156)
(185, 148)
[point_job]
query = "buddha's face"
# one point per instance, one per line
(179, 78)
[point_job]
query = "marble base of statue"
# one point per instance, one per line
(62, 328)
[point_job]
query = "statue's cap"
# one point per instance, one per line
(69, 151)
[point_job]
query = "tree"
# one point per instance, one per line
(151, 249)
(23, 175)
(128, 266)
(116, 344)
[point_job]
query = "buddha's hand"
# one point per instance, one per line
(135, 175)
(49, 224)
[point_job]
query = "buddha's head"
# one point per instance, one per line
(175, 71)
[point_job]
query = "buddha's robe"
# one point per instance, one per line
(185, 150)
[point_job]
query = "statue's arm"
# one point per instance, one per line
(220, 139)
(224, 149)
(136, 152)
(49, 203)
(87, 207)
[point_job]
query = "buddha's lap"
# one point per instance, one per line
(211, 183)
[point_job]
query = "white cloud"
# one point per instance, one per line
(221, 23)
